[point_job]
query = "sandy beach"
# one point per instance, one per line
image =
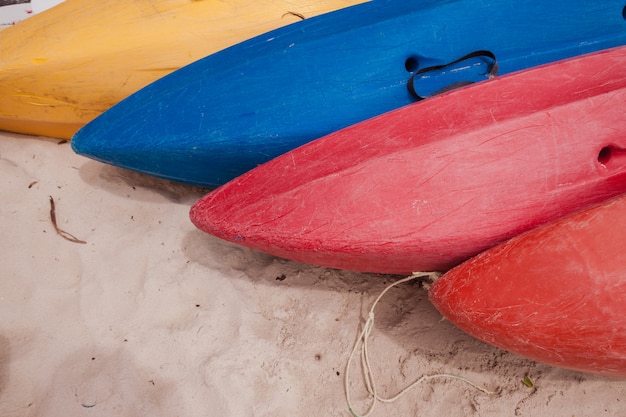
(144, 315)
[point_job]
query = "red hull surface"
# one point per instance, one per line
(429, 185)
(556, 294)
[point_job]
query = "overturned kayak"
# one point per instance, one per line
(429, 185)
(224, 114)
(556, 294)
(65, 66)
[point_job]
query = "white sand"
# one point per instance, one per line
(152, 317)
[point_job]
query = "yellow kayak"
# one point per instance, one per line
(65, 66)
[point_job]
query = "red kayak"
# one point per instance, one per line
(429, 185)
(556, 294)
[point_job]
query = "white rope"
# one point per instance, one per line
(363, 339)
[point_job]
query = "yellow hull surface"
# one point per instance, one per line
(65, 66)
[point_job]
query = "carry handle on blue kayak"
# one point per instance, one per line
(426, 72)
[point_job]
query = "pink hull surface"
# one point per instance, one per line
(556, 294)
(429, 185)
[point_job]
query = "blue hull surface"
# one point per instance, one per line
(226, 113)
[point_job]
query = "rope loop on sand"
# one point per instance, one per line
(362, 341)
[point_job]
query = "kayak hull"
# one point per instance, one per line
(65, 66)
(225, 114)
(556, 294)
(429, 185)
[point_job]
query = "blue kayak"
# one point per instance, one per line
(222, 115)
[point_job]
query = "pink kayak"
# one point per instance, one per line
(431, 184)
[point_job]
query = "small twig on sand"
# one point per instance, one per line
(63, 233)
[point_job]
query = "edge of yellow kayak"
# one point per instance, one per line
(63, 67)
